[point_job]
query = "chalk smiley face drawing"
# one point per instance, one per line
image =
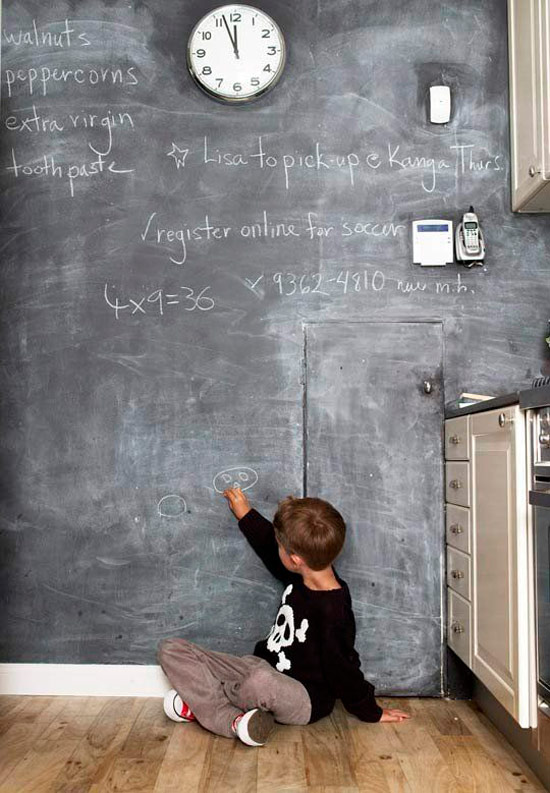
(239, 476)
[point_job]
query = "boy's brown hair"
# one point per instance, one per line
(311, 528)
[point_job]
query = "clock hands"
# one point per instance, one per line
(233, 40)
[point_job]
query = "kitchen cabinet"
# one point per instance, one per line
(458, 528)
(457, 483)
(488, 574)
(457, 520)
(460, 621)
(529, 65)
(501, 580)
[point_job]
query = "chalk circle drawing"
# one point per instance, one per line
(172, 506)
(240, 476)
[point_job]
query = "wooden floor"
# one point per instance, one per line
(75, 745)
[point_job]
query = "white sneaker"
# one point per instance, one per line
(176, 709)
(253, 727)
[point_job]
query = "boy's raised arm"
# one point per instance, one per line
(238, 502)
(259, 533)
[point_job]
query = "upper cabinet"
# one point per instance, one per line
(529, 56)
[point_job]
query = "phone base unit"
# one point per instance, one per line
(432, 242)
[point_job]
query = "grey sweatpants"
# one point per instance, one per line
(217, 686)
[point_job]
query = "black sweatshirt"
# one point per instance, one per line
(313, 637)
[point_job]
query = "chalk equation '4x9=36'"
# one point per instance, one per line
(159, 301)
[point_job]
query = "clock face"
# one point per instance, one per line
(236, 53)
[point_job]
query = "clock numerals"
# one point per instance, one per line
(229, 41)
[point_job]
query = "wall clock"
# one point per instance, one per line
(236, 53)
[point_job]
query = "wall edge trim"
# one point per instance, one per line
(83, 680)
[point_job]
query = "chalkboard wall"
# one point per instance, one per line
(161, 255)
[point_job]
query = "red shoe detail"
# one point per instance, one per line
(187, 713)
(235, 721)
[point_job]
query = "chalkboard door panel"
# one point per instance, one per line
(373, 448)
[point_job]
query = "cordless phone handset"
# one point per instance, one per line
(470, 224)
(469, 242)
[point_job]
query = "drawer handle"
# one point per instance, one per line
(456, 627)
(456, 484)
(456, 528)
(454, 439)
(457, 574)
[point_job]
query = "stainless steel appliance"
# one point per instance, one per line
(539, 498)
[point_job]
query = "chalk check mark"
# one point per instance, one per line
(144, 235)
(252, 285)
(179, 155)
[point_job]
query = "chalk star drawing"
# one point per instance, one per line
(179, 155)
(172, 506)
(240, 476)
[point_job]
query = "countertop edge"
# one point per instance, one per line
(489, 404)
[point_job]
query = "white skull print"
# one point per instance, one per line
(283, 632)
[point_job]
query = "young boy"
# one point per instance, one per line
(308, 659)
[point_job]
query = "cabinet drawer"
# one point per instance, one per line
(457, 521)
(457, 483)
(458, 627)
(457, 439)
(458, 572)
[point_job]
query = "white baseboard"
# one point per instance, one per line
(83, 680)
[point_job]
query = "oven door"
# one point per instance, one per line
(541, 511)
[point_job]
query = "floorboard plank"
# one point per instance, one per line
(373, 757)
(185, 759)
(136, 763)
(443, 718)
(326, 752)
(231, 767)
(26, 724)
(282, 766)
(127, 745)
(99, 747)
(40, 765)
(515, 769)
(15, 743)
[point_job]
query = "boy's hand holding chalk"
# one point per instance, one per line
(238, 502)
